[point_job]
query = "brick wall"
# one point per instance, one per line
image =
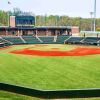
(12, 21)
(75, 30)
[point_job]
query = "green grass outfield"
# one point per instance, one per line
(70, 72)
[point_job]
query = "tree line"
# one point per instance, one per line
(53, 20)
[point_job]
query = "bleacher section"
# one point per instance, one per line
(91, 40)
(4, 43)
(31, 40)
(74, 40)
(61, 39)
(1, 44)
(7, 40)
(14, 40)
(47, 39)
(1, 40)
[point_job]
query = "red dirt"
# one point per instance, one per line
(75, 52)
(3, 48)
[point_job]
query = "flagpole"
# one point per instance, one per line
(9, 15)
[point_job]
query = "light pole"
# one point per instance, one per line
(80, 24)
(91, 13)
(94, 21)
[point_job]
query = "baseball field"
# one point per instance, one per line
(49, 67)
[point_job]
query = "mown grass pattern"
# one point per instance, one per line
(49, 72)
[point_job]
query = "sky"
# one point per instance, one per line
(72, 8)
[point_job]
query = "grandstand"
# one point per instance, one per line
(74, 40)
(60, 39)
(91, 40)
(63, 39)
(4, 42)
(30, 40)
(47, 39)
(14, 40)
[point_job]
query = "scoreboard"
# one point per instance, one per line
(21, 21)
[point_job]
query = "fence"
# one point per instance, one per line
(51, 94)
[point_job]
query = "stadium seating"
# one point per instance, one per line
(74, 40)
(61, 39)
(47, 39)
(14, 40)
(8, 40)
(2, 40)
(1, 44)
(91, 40)
(31, 40)
(4, 43)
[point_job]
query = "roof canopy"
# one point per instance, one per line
(90, 32)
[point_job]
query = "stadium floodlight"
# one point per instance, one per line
(94, 22)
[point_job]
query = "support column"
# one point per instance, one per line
(97, 35)
(66, 32)
(33, 32)
(6, 32)
(56, 32)
(18, 33)
(36, 32)
(84, 34)
(47, 33)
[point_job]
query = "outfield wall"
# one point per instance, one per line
(51, 94)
